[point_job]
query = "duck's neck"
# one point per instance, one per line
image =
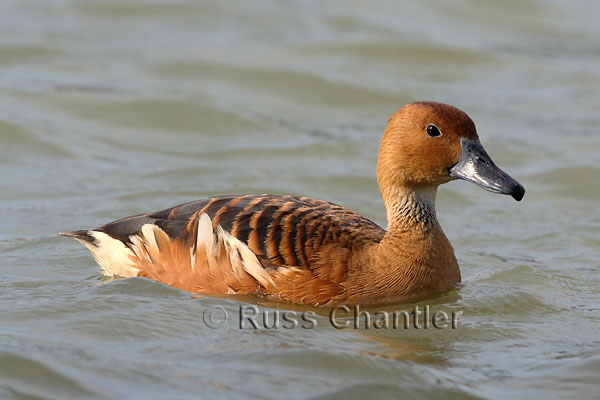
(414, 258)
(412, 208)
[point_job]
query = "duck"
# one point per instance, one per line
(312, 252)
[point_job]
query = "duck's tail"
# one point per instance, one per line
(207, 260)
(111, 254)
(82, 236)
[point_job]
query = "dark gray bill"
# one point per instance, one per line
(475, 165)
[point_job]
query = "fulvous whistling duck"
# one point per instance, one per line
(313, 252)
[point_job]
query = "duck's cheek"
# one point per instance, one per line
(476, 166)
(444, 177)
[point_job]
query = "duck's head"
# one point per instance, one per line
(426, 144)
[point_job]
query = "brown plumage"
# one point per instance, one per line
(304, 250)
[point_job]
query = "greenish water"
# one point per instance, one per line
(108, 109)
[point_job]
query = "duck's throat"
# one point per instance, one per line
(412, 207)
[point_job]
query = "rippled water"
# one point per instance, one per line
(108, 109)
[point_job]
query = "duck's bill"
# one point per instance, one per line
(475, 165)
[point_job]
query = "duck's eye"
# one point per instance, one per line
(433, 131)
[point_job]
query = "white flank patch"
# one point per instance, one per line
(192, 257)
(138, 247)
(148, 234)
(234, 247)
(231, 248)
(249, 261)
(112, 255)
(205, 235)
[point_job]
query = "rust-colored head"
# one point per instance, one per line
(426, 144)
(411, 154)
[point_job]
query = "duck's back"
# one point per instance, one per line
(251, 243)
